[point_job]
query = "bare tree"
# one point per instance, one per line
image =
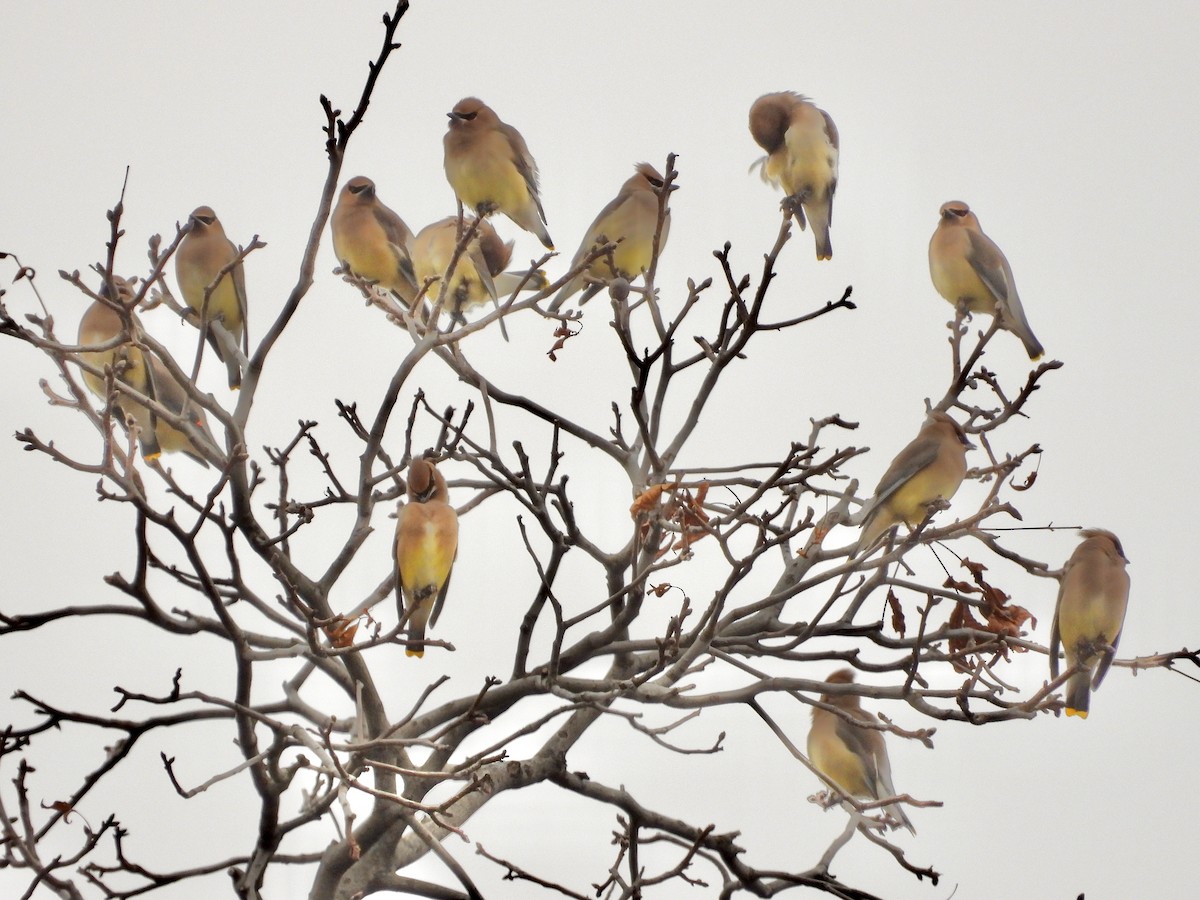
(384, 786)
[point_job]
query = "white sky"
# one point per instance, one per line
(1070, 130)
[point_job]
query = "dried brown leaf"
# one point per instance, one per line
(897, 613)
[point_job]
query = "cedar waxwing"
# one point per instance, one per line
(144, 373)
(967, 267)
(489, 167)
(802, 157)
(171, 394)
(426, 545)
(101, 324)
(1090, 614)
(853, 758)
(932, 466)
(202, 254)
(371, 241)
(479, 274)
(631, 218)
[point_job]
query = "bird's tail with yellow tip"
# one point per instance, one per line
(1079, 694)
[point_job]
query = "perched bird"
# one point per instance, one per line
(932, 466)
(371, 241)
(202, 254)
(171, 394)
(802, 158)
(1090, 614)
(631, 218)
(967, 267)
(426, 545)
(489, 167)
(478, 276)
(144, 373)
(101, 324)
(852, 757)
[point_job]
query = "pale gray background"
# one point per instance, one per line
(1069, 128)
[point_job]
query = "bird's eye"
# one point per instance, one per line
(469, 116)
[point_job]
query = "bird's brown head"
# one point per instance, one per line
(425, 482)
(769, 119)
(361, 187)
(650, 174)
(496, 253)
(841, 676)
(1101, 535)
(202, 218)
(945, 419)
(955, 212)
(468, 110)
(123, 287)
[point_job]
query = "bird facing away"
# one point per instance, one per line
(968, 268)
(479, 275)
(203, 253)
(631, 218)
(371, 241)
(1090, 614)
(802, 158)
(852, 757)
(426, 545)
(101, 324)
(933, 465)
(490, 168)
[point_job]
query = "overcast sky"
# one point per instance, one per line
(1070, 130)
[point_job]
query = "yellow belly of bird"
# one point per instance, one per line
(378, 266)
(94, 382)
(171, 439)
(496, 182)
(909, 502)
(841, 767)
(956, 281)
(631, 257)
(804, 166)
(132, 373)
(222, 303)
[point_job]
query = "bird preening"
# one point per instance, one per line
(802, 148)
(460, 282)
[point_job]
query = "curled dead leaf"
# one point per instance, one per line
(563, 333)
(1001, 617)
(648, 499)
(341, 632)
(893, 603)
